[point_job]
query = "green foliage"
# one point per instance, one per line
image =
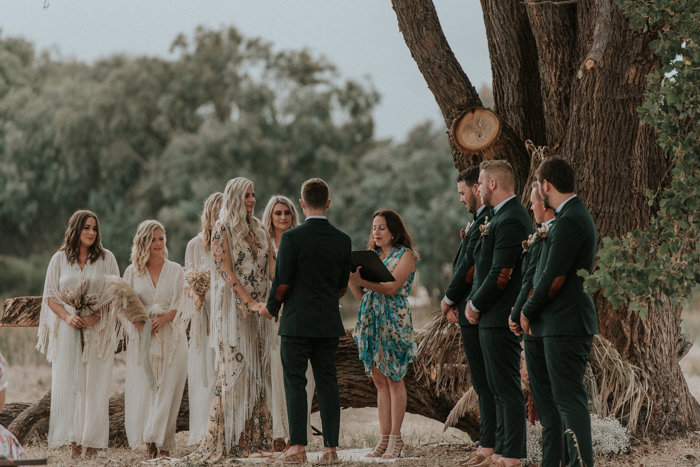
(139, 138)
(664, 259)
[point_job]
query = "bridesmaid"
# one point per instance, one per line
(150, 415)
(197, 310)
(280, 215)
(79, 348)
(384, 330)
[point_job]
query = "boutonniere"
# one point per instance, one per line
(463, 233)
(484, 228)
(530, 240)
(542, 231)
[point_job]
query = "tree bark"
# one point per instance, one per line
(454, 93)
(514, 68)
(592, 122)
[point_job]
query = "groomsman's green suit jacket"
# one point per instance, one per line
(313, 266)
(463, 266)
(531, 257)
(497, 277)
(558, 305)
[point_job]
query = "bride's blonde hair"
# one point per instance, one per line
(140, 250)
(240, 223)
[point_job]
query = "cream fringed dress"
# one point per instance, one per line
(240, 420)
(80, 377)
(201, 371)
(150, 416)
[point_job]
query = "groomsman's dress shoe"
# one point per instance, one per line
(502, 464)
(472, 459)
(330, 457)
(487, 462)
(286, 458)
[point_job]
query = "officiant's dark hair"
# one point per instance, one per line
(71, 240)
(315, 193)
(399, 232)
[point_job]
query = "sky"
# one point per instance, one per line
(361, 37)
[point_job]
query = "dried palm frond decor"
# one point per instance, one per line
(468, 403)
(441, 359)
(126, 305)
(614, 386)
(79, 299)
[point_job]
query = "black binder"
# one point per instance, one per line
(373, 269)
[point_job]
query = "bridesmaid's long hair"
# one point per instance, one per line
(399, 232)
(140, 250)
(71, 240)
(212, 206)
(267, 215)
(234, 214)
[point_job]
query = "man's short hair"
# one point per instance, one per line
(469, 176)
(502, 171)
(315, 193)
(558, 173)
(538, 195)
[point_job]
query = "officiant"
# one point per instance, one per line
(384, 329)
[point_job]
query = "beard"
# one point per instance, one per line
(545, 199)
(470, 202)
(486, 195)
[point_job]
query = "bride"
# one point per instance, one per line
(239, 421)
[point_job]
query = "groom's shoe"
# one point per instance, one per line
(330, 457)
(286, 458)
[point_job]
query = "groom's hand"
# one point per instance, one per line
(264, 313)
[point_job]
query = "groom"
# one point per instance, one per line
(313, 268)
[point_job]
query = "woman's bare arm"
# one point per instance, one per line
(224, 264)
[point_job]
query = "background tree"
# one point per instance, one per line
(571, 75)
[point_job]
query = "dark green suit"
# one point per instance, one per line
(458, 292)
(313, 268)
(497, 281)
(565, 317)
(552, 440)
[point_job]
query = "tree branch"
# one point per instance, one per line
(601, 36)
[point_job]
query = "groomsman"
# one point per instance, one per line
(313, 268)
(453, 309)
(497, 281)
(552, 449)
(560, 312)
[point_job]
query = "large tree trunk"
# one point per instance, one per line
(592, 71)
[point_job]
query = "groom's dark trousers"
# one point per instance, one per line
(312, 272)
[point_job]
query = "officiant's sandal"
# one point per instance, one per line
(395, 447)
(380, 448)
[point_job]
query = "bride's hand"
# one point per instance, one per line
(198, 302)
(255, 307)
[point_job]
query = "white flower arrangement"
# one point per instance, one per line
(484, 228)
(608, 436)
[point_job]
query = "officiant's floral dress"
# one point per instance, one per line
(384, 330)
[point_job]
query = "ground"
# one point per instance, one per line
(428, 446)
